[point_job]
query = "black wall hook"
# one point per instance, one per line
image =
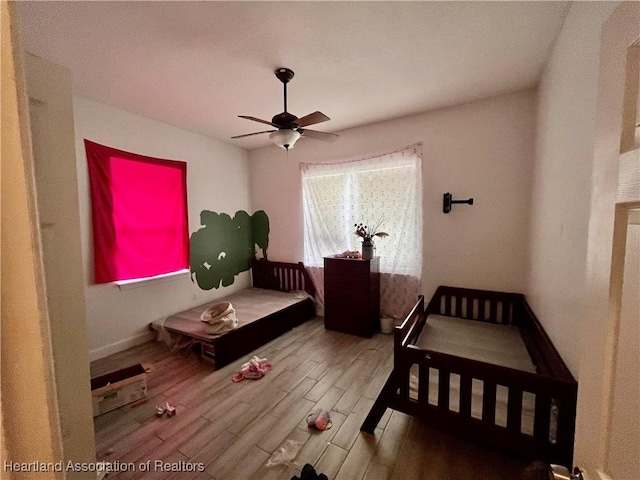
(447, 201)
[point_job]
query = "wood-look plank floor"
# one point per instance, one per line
(232, 429)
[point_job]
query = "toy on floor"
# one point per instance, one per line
(254, 369)
(170, 410)
(319, 419)
(309, 473)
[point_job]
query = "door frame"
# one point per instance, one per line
(607, 223)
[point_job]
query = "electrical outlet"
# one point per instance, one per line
(195, 297)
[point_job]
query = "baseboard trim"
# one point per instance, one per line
(120, 346)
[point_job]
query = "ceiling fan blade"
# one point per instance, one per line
(259, 120)
(315, 134)
(255, 133)
(311, 119)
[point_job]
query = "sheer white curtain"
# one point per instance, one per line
(386, 187)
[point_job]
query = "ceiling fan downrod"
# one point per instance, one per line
(284, 75)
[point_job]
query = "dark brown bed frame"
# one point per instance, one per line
(280, 276)
(554, 387)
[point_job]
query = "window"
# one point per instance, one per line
(387, 187)
(139, 213)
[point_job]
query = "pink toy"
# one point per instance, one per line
(319, 419)
(166, 408)
(254, 369)
(323, 422)
(313, 416)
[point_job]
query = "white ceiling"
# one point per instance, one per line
(198, 65)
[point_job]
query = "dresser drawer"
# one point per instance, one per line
(346, 267)
(345, 283)
(347, 317)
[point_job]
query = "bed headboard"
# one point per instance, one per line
(483, 305)
(281, 276)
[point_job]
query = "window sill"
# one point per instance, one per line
(144, 282)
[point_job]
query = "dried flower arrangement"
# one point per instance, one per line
(367, 232)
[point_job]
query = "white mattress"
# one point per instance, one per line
(487, 342)
(496, 344)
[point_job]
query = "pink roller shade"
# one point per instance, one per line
(139, 209)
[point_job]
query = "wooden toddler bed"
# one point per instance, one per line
(275, 304)
(478, 364)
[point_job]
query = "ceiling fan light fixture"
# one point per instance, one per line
(285, 138)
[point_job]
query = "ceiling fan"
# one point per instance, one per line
(290, 128)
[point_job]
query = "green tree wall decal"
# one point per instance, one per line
(223, 247)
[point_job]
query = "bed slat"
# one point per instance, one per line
(489, 402)
(423, 385)
(493, 310)
(443, 389)
(542, 418)
(404, 385)
(465, 395)
(514, 410)
(481, 305)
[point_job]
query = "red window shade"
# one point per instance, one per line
(139, 210)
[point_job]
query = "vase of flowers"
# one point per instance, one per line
(368, 249)
(367, 233)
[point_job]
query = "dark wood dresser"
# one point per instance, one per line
(352, 295)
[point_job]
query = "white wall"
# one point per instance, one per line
(483, 150)
(217, 180)
(562, 178)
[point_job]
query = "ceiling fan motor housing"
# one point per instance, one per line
(284, 120)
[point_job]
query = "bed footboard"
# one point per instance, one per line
(528, 414)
